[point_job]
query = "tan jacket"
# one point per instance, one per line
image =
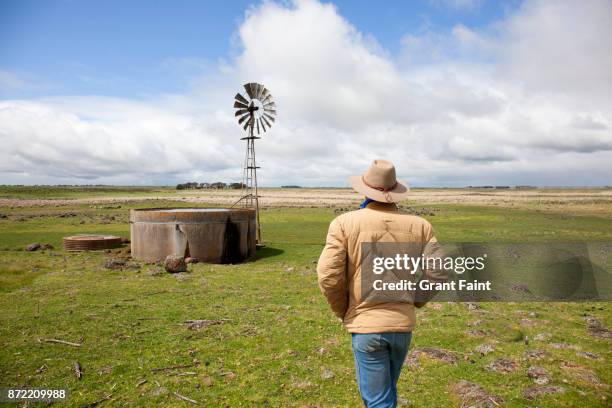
(339, 267)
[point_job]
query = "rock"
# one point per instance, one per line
(114, 263)
(200, 324)
(411, 360)
(438, 354)
(472, 306)
(485, 349)
(302, 384)
(33, 247)
(155, 271)
(476, 333)
(502, 365)
(542, 337)
(473, 395)
(174, 263)
(597, 329)
(159, 391)
(3, 216)
(564, 346)
(536, 391)
(327, 374)
(589, 355)
(47, 246)
(403, 402)
(538, 374)
(191, 260)
(534, 354)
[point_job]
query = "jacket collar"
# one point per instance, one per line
(378, 206)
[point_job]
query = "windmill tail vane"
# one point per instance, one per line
(256, 112)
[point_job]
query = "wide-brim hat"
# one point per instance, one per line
(380, 183)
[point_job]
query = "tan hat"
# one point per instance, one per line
(380, 184)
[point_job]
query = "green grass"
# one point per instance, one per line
(268, 350)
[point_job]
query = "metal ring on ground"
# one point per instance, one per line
(88, 242)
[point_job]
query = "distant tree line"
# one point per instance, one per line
(192, 185)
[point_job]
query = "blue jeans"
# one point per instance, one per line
(378, 361)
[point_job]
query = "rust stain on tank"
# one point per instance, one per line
(215, 235)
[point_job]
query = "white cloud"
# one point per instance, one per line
(526, 101)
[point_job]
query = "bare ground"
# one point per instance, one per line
(583, 201)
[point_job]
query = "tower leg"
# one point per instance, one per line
(250, 192)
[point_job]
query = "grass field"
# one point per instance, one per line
(272, 340)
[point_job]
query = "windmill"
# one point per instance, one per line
(255, 112)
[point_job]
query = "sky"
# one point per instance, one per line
(454, 92)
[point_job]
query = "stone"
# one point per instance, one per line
(534, 354)
(191, 260)
(589, 355)
(174, 264)
(597, 329)
(536, 391)
(542, 337)
(33, 247)
(437, 354)
(47, 246)
(538, 374)
(473, 395)
(327, 374)
(114, 263)
(502, 365)
(485, 349)
(201, 324)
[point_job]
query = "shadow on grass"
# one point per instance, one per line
(267, 252)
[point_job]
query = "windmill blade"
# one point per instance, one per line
(248, 122)
(241, 98)
(240, 105)
(269, 117)
(245, 117)
(263, 119)
(264, 93)
(270, 111)
(249, 89)
(270, 105)
(262, 124)
(267, 99)
(257, 123)
(258, 89)
(241, 111)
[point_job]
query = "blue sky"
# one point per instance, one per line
(138, 48)
(454, 92)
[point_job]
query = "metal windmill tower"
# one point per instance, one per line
(255, 112)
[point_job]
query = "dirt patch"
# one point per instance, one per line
(446, 356)
(485, 349)
(473, 395)
(539, 375)
(536, 391)
(201, 324)
(502, 365)
(597, 329)
(534, 354)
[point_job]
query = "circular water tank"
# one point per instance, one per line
(215, 235)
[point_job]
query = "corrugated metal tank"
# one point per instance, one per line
(214, 235)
